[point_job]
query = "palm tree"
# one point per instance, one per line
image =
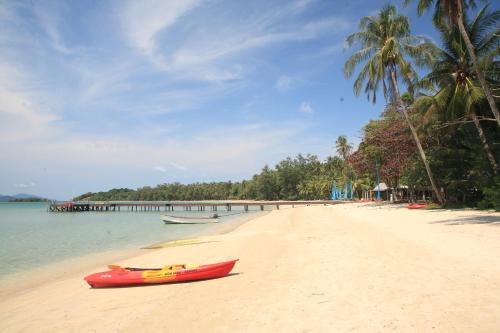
(452, 73)
(343, 147)
(453, 11)
(386, 44)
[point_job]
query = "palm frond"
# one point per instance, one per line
(423, 5)
(385, 45)
(355, 59)
(482, 23)
(490, 42)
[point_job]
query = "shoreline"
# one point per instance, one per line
(359, 267)
(18, 283)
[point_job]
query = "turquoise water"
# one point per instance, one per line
(32, 237)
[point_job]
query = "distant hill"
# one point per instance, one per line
(5, 198)
(25, 196)
(19, 197)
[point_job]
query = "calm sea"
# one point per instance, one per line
(32, 237)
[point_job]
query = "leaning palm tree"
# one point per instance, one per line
(454, 12)
(458, 92)
(386, 46)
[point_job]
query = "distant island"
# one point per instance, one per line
(29, 200)
(22, 197)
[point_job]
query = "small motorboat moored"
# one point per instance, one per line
(119, 277)
(168, 219)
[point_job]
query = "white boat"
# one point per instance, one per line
(168, 219)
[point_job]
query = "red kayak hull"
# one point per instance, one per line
(416, 206)
(118, 277)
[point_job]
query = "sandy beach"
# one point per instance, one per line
(352, 267)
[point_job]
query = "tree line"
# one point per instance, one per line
(34, 199)
(302, 177)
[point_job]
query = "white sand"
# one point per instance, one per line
(353, 267)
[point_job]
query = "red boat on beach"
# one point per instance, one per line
(416, 206)
(118, 276)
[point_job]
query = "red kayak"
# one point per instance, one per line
(416, 206)
(118, 276)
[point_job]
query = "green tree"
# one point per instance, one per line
(385, 46)
(454, 12)
(266, 184)
(343, 147)
(459, 94)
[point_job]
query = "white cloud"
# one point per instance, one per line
(178, 166)
(172, 164)
(210, 49)
(306, 107)
(301, 5)
(200, 49)
(19, 118)
(334, 49)
(284, 83)
(30, 184)
(25, 106)
(75, 154)
(159, 168)
(49, 17)
(144, 19)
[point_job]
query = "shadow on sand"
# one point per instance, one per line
(491, 220)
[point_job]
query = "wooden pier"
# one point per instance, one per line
(170, 206)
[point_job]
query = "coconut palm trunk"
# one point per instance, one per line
(486, 147)
(401, 106)
(473, 57)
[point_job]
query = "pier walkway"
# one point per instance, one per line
(169, 206)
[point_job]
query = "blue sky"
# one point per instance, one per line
(103, 94)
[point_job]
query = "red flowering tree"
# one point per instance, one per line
(387, 141)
